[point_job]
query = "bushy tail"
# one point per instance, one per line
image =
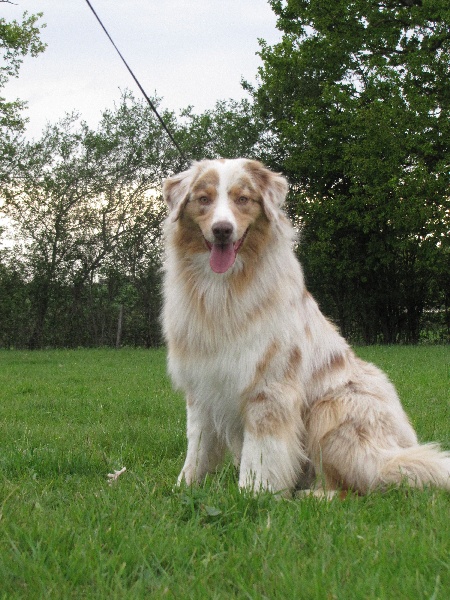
(419, 466)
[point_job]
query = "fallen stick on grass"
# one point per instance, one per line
(115, 476)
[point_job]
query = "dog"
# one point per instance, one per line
(265, 374)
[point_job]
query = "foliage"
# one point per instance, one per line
(70, 417)
(85, 208)
(357, 95)
(17, 39)
(230, 130)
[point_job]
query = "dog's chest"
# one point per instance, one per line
(216, 377)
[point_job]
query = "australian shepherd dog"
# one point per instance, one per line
(265, 374)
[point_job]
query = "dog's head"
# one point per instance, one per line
(224, 207)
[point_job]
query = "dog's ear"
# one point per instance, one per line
(274, 195)
(273, 188)
(176, 192)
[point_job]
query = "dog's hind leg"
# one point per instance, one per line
(205, 450)
(359, 442)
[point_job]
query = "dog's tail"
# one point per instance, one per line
(419, 466)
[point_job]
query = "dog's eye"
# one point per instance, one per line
(242, 200)
(204, 200)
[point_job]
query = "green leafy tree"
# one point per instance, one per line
(230, 130)
(17, 39)
(357, 96)
(80, 201)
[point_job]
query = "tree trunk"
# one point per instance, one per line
(42, 297)
(119, 327)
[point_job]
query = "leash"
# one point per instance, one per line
(151, 104)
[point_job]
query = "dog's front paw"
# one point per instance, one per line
(317, 493)
(253, 481)
(188, 476)
(182, 478)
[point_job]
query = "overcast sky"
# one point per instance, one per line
(189, 52)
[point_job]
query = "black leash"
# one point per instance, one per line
(152, 106)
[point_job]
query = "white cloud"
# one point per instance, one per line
(188, 52)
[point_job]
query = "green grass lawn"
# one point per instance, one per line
(68, 418)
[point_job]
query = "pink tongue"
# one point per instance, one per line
(222, 257)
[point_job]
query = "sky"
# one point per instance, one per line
(189, 52)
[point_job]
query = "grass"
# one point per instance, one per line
(67, 418)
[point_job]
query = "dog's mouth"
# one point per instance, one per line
(222, 256)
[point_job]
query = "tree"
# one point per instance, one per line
(357, 95)
(78, 199)
(230, 130)
(17, 39)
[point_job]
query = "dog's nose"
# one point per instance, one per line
(222, 231)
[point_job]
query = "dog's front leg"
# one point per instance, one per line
(272, 453)
(266, 464)
(205, 451)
